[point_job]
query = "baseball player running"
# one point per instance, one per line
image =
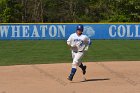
(79, 44)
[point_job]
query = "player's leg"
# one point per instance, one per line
(76, 62)
(73, 69)
(80, 64)
(83, 67)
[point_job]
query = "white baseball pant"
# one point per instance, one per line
(77, 56)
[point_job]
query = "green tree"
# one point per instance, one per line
(69, 11)
(11, 11)
(126, 11)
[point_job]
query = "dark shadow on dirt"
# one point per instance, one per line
(99, 79)
(90, 80)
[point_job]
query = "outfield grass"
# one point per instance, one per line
(52, 51)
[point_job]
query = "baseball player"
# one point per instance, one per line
(79, 44)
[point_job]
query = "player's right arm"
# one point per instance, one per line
(70, 42)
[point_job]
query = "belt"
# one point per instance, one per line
(77, 51)
(80, 51)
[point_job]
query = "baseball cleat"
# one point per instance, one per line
(84, 70)
(83, 79)
(70, 78)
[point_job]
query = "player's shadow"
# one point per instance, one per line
(98, 79)
(90, 80)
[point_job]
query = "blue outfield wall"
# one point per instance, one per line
(62, 31)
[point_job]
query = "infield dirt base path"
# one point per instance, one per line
(102, 77)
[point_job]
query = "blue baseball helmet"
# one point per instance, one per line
(80, 27)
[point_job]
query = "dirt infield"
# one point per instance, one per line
(102, 77)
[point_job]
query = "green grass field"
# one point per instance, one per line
(16, 52)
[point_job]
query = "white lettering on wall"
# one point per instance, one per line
(137, 31)
(25, 31)
(112, 31)
(35, 32)
(61, 29)
(124, 31)
(129, 33)
(43, 28)
(52, 31)
(4, 31)
(121, 31)
(15, 31)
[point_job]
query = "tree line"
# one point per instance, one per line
(52, 11)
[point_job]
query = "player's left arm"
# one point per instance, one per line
(87, 41)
